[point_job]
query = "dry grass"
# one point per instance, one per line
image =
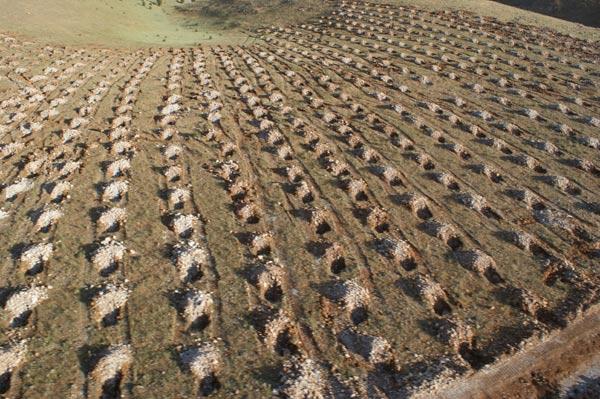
(366, 204)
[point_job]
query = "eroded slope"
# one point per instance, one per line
(374, 202)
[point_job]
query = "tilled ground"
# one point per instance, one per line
(370, 204)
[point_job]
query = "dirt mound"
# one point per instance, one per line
(366, 204)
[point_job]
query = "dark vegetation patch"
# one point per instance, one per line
(247, 14)
(586, 12)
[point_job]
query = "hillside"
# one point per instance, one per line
(394, 199)
(108, 22)
(141, 23)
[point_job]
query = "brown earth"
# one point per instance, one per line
(372, 203)
(539, 369)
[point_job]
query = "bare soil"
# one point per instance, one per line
(382, 201)
(541, 369)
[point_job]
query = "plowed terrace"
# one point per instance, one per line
(373, 203)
